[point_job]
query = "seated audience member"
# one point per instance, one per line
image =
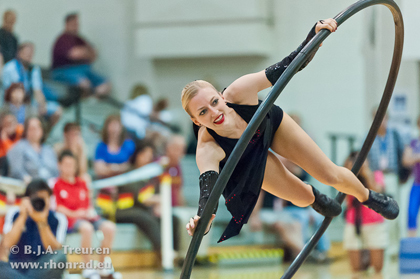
(14, 103)
(162, 117)
(72, 60)
(32, 225)
(10, 133)
(291, 222)
(74, 142)
(30, 157)
(175, 151)
(8, 41)
(159, 141)
(364, 229)
(135, 115)
(268, 211)
(22, 70)
(138, 202)
(309, 221)
(73, 200)
(112, 156)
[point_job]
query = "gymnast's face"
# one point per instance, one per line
(208, 108)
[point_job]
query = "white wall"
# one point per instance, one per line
(328, 93)
(410, 10)
(103, 22)
(335, 93)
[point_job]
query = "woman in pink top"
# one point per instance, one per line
(365, 229)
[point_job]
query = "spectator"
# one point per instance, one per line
(159, 141)
(143, 155)
(385, 156)
(309, 221)
(72, 197)
(160, 111)
(8, 41)
(364, 229)
(175, 151)
(138, 202)
(14, 103)
(37, 228)
(412, 158)
(10, 133)
(30, 157)
(74, 142)
(268, 211)
(22, 70)
(135, 115)
(291, 223)
(72, 60)
(113, 153)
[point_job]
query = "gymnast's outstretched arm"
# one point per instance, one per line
(244, 90)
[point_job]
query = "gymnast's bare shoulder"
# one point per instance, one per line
(209, 153)
(245, 89)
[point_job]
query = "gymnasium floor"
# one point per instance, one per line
(339, 269)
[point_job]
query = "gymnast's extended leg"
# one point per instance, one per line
(291, 142)
(279, 181)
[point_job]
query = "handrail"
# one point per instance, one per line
(144, 173)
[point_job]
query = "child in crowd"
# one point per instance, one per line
(14, 98)
(74, 142)
(10, 133)
(365, 229)
(72, 197)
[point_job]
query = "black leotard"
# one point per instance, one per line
(242, 190)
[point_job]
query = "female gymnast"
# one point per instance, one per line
(219, 121)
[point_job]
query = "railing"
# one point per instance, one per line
(335, 138)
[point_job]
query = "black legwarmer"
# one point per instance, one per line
(274, 72)
(207, 181)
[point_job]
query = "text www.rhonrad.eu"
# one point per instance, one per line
(61, 265)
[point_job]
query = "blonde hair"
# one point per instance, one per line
(190, 90)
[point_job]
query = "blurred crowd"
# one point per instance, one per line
(60, 174)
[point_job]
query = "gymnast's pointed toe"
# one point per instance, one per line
(324, 205)
(383, 204)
